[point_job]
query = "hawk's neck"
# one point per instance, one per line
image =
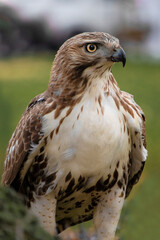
(69, 88)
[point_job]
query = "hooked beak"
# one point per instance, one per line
(119, 56)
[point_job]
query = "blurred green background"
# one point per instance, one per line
(23, 77)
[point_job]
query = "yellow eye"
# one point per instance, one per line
(91, 47)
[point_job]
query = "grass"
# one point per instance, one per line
(24, 77)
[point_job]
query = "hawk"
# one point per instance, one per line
(80, 146)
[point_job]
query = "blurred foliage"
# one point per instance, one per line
(16, 221)
(17, 35)
(24, 77)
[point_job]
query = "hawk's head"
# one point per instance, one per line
(83, 56)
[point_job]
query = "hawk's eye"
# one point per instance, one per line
(91, 47)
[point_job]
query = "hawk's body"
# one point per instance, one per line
(79, 146)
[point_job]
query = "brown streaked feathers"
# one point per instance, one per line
(41, 160)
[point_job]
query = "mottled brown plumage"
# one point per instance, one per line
(80, 146)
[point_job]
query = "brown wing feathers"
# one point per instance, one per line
(135, 163)
(28, 132)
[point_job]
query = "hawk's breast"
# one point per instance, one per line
(90, 139)
(88, 153)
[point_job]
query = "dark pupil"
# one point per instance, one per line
(91, 47)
